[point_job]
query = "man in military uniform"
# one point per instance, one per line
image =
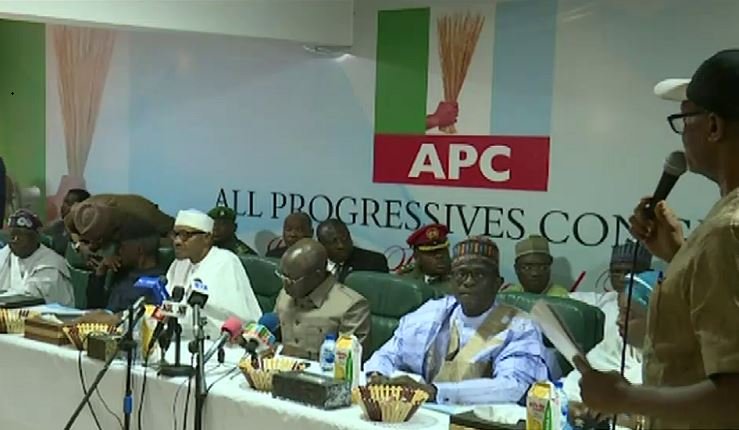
(534, 268)
(313, 303)
(224, 231)
(431, 261)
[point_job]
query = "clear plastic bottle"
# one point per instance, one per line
(327, 354)
(564, 403)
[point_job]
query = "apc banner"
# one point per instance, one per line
(433, 105)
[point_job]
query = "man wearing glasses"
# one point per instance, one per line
(691, 352)
(313, 304)
(27, 267)
(465, 348)
(230, 292)
(534, 268)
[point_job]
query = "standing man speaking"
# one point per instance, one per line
(691, 356)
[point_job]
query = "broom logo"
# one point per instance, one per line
(458, 35)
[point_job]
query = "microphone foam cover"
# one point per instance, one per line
(232, 326)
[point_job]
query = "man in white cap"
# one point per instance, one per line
(691, 350)
(230, 292)
(28, 267)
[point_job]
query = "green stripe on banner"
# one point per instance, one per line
(402, 71)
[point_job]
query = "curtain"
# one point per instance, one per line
(83, 57)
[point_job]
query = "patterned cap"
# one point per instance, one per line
(429, 238)
(134, 228)
(222, 212)
(624, 253)
(532, 245)
(481, 247)
(24, 218)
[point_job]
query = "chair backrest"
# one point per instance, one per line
(390, 298)
(80, 280)
(266, 285)
(585, 322)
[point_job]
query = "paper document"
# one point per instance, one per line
(555, 330)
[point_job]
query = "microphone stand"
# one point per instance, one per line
(177, 369)
(128, 344)
(200, 385)
(629, 294)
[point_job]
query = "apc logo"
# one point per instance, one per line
(422, 143)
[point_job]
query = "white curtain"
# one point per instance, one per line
(83, 56)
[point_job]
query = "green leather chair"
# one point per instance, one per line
(390, 298)
(266, 285)
(585, 322)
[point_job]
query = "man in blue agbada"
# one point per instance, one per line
(466, 348)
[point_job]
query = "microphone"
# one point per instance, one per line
(257, 340)
(138, 307)
(165, 313)
(271, 321)
(155, 287)
(198, 295)
(675, 165)
(229, 330)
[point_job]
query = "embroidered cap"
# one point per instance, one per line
(624, 253)
(24, 218)
(429, 238)
(479, 247)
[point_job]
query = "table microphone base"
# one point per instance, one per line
(177, 371)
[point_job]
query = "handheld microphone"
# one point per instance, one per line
(165, 313)
(675, 166)
(230, 329)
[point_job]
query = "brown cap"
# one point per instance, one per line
(534, 244)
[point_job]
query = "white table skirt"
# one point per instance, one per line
(41, 387)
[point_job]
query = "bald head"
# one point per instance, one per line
(303, 267)
(297, 225)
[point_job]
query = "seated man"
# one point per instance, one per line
(56, 230)
(467, 348)
(534, 268)
(297, 226)
(312, 304)
(606, 357)
(432, 263)
(224, 231)
(622, 259)
(94, 223)
(220, 270)
(136, 257)
(343, 256)
(28, 267)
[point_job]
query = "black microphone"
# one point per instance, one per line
(161, 312)
(675, 165)
(231, 329)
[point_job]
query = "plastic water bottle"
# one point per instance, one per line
(564, 403)
(327, 355)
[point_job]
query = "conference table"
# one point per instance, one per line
(41, 387)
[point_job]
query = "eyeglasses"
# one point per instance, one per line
(477, 275)
(185, 235)
(534, 267)
(288, 280)
(677, 120)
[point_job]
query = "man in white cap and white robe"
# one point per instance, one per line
(230, 292)
(28, 267)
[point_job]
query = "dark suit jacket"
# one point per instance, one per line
(276, 252)
(363, 260)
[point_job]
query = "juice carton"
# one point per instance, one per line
(348, 359)
(543, 407)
